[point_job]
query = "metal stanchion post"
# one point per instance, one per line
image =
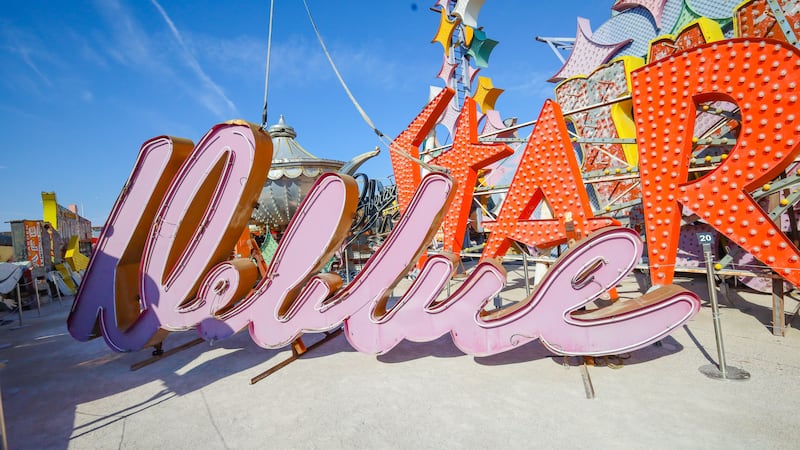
(525, 271)
(722, 371)
(38, 300)
(19, 305)
(346, 267)
(3, 434)
(58, 289)
(524, 254)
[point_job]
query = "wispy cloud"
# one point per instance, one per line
(195, 66)
(25, 53)
(133, 45)
(368, 64)
(298, 61)
(242, 55)
(529, 83)
(16, 111)
(130, 45)
(27, 48)
(85, 49)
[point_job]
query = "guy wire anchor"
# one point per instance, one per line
(722, 371)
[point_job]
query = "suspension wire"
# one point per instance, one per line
(383, 138)
(269, 51)
(339, 76)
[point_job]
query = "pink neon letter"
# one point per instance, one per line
(315, 232)
(195, 224)
(107, 298)
(276, 318)
(578, 277)
(200, 219)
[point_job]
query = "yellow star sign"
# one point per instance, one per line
(445, 33)
(486, 94)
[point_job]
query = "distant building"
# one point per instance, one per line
(6, 247)
(45, 243)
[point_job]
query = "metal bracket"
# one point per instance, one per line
(159, 353)
(298, 350)
(784, 24)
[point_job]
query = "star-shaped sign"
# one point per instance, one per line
(487, 94)
(444, 35)
(466, 157)
(406, 145)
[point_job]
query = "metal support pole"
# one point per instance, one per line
(3, 435)
(778, 316)
(298, 349)
(19, 305)
(38, 300)
(587, 380)
(58, 289)
(525, 271)
(722, 371)
(524, 253)
(346, 267)
(712, 294)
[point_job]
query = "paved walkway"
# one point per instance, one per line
(60, 393)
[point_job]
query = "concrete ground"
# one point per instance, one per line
(60, 393)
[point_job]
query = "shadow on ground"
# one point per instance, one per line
(43, 355)
(44, 362)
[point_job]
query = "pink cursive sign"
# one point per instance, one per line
(181, 213)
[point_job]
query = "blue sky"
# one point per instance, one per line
(84, 83)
